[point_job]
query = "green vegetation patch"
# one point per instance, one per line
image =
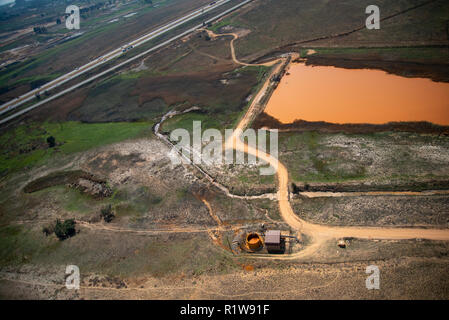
(383, 158)
(135, 202)
(19, 246)
(220, 115)
(117, 99)
(115, 253)
(308, 159)
(226, 22)
(25, 145)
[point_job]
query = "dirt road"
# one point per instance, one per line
(318, 233)
(234, 58)
(252, 110)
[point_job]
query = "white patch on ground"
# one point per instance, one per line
(141, 67)
(130, 14)
(432, 153)
(381, 159)
(153, 160)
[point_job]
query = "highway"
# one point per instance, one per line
(13, 104)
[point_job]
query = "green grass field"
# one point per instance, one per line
(385, 157)
(25, 146)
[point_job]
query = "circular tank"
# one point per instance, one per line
(254, 241)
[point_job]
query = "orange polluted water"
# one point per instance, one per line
(339, 95)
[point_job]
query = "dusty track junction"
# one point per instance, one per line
(178, 230)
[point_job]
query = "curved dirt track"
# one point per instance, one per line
(318, 233)
(316, 230)
(234, 58)
(252, 110)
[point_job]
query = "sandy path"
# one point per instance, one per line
(321, 231)
(181, 229)
(172, 229)
(318, 233)
(234, 58)
(249, 115)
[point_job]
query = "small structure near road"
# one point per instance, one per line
(274, 242)
(264, 241)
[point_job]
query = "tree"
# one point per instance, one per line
(40, 30)
(51, 141)
(66, 229)
(107, 214)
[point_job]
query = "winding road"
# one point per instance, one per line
(317, 233)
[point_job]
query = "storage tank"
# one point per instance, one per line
(254, 241)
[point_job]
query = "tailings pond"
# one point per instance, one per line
(339, 95)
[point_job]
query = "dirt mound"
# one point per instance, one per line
(78, 179)
(93, 188)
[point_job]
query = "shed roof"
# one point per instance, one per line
(273, 237)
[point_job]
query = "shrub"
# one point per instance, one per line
(107, 213)
(66, 229)
(51, 141)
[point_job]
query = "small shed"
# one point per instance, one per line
(274, 242)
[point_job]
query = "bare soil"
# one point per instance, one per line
(404, 277)
(376, 210)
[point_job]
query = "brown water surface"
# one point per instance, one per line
(339, 95)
